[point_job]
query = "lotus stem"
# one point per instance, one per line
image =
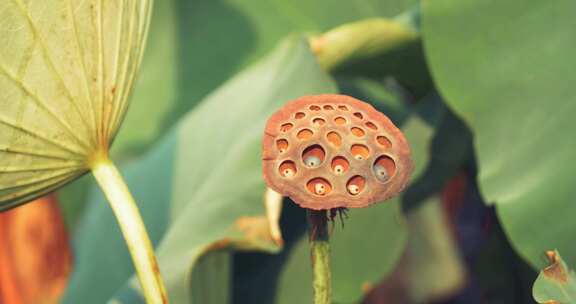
(133, 229)
(320, 256)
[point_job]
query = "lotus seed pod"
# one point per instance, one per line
(330, 151)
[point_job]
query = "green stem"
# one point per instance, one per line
(320, 256)
(133, 229)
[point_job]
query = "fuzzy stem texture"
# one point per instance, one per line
(133, 229)
(320, 256)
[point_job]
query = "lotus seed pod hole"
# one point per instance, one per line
(287, 169)
(384, 168)
(356, 185)
(319, 186)
(318, 122)
(340, 165)
(358, 132)
(340, 120)
(384, 142)
(286, 127)
(313, 156)
(282, 145)
(360, 152)
(304, 134)
(371, 125)
(334, 139)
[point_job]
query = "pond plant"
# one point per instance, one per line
(475, 93)
(329, 153)
(64, 94)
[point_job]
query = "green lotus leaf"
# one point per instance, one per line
(66, 71)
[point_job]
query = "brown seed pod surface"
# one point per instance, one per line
(329, 151)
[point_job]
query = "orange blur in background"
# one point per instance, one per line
(35, 255)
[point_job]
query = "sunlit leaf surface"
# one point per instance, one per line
(66, 70)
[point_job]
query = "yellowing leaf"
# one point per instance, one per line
(66, 70)
(556, 283)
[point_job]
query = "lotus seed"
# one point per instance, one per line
(319, 189)
(339, 169)
(312, 161)
(354, 189)
(381, 173)
(288, 172)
